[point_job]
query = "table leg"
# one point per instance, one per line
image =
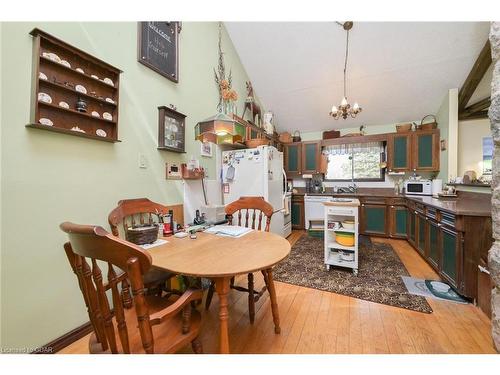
(274, 302)
(222, 289)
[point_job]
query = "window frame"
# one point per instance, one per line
(381, 178)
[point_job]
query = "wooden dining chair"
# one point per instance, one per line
(130, 212)
(250, 212)
(153, 324)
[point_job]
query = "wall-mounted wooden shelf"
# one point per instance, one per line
(60, 86)
(71, 132)
(195, 174)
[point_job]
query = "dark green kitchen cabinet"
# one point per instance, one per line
(421, 234)
(399, 152)
(311, 157)
(374, 219)
(451, 257)
(398, 221)
(412, 227)
(297, 212)
(425, 150)
(293, 159)
(434, 254)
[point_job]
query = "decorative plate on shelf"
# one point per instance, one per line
(80, 88)
(43, 97)
(42, 76)
(108, 81)
(107, 116)
(46, 121)
(101, 133)
(80, 70)
(109, 100)
(95, 114)
(77, 129)
(64, 105)
(94, 76)
(65, 63)
(52, 56)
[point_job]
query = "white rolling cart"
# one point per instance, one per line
(338, 210)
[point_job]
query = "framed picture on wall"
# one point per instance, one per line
(171, 130)
(158, 47)
(488, 148)
(206, 149)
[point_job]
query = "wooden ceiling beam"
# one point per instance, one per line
(473, 116)
(481, 105)
(476, 74)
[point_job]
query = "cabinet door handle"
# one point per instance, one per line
(416, 212)
(392, 206)
(363, 205)
(483, 269)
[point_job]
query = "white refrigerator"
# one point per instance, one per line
(256, 172)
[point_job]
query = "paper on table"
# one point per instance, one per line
(158, 242)
(228, 230)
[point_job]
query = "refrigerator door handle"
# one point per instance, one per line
(284, 187)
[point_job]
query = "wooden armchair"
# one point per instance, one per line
(131, 212)
(152, 325)
(256, 208)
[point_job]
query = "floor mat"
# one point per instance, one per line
(431, 289)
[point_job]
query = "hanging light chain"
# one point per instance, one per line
(345, 110)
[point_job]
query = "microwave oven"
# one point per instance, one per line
(418, 187)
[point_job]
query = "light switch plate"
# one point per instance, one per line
(143, 161)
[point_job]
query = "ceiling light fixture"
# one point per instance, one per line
(345, 109)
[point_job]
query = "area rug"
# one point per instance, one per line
(379, 277)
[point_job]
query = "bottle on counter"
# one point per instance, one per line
(168, 224)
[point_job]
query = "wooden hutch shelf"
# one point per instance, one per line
(71, 132)
(55, 74)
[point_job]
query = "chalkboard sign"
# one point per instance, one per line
(158, 47)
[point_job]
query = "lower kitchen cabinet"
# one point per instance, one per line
(374, 219)
(398, 222)
(421, 234)
(434, 254)
(452, 256)
(297, 212)
(412, 227)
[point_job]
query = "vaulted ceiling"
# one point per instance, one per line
(398, 71)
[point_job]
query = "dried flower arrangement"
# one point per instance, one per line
(227, 96)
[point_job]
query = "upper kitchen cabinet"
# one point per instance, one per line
(413, 150)
(399, 152)
(293, 159)
(425, 150)
(311, 157)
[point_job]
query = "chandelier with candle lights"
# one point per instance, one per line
(345, 110)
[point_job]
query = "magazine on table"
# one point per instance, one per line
(228, 230)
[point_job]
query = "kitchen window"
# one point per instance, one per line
(357, 161)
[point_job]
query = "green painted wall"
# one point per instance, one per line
(48, 178)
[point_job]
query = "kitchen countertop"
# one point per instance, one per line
(467, 203)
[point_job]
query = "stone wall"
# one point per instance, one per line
(494, 115)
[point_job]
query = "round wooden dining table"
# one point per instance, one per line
(220, 258)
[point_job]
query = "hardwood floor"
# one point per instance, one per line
(314, 321)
